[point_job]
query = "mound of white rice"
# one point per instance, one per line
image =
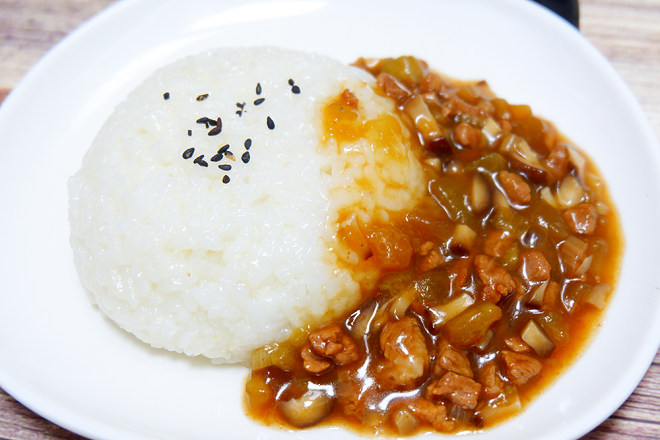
(212, 250)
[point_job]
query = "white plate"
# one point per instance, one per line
(61, 358)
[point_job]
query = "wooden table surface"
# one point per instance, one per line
(627, 32)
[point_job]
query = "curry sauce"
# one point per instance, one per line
(484, 292)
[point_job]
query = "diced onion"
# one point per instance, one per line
(572, 252)
(381, 316)
(602, 208)
(548, 197)
(460, 415)
(257, 392)
(594, 181)
(534, 336)
(519, 149)
(502, 407)
(280, 355)
(483, 343)
(453, 167)
(434, 162)
(260, 359)
(491, 130)
(361, 325)
(598, 295)
(584, 266)
(417, 109)
(405, 421)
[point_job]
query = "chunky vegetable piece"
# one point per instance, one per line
(484, 290)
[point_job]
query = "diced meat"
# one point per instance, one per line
(582, 219)
(312, 362)
(453, 106)
(516, 344)
(556, 162)
(349, 99)
(497, 282)
(334, 342)
(432, 260)
(348, 394)
(497, 242)
(404, 348)
(432, 82)
(433, 414)
(451, 359)
(459, 273)
(551, 295)
(460, 390)
(520, 368)
(467, 135)
(535, 266)
(392, 87)
(426, 247)
(492, 383)
(418, 307)
(515, 187)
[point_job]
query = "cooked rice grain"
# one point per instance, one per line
(217, 261)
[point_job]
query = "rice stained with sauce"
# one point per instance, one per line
(205, 216)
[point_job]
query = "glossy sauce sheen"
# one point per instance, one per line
(486, 290)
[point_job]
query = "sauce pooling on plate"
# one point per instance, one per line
(486, 290)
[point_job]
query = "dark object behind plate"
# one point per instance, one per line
(569, 9)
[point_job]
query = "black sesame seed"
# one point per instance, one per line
(199, 160)
(248, 143)
(217, 158)
(291, 82)
(202, 97)
(259, 101)
(258, 89)
(215, 130)
(166, 96)
(225, 179)
(206, 121)
(189, 132)
(223, 149)
(240, 105)
(245, 157)
(270, 123)
(229, 155)
(225, 167)
(188, 153)
(295, 90)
